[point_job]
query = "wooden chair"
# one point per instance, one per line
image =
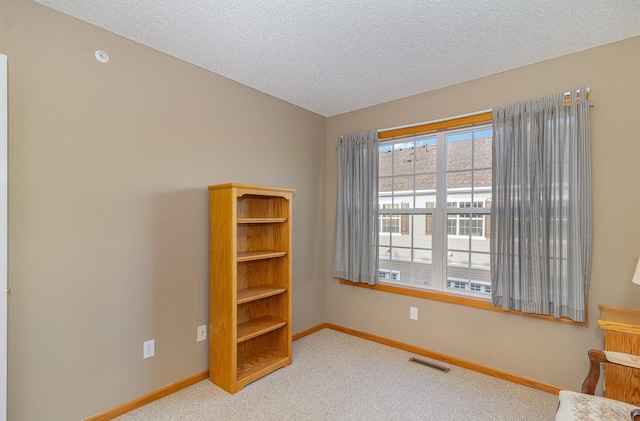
(585, 406)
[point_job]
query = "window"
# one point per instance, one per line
(393, 223)
(389, 223)
(435, 206)
(459, 225)
(394, 275)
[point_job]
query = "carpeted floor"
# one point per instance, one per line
(336, 376)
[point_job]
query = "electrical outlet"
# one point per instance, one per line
(148, 349)
(202, 333)
(413, 313)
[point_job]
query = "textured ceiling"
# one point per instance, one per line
(335, 56)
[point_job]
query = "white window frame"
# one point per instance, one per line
(440, 214)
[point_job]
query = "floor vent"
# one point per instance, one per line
(428, 364)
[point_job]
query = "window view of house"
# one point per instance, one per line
(434, 211)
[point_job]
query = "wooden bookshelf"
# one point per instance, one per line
(250, 287)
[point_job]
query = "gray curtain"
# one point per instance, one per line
(541, 208)
(356, 239)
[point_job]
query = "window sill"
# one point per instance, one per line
(458, 300)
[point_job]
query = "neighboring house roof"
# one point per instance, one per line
(400, 163)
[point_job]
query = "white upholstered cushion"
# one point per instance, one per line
(576, 406)
(622, 358)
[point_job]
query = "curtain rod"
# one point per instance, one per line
(458, 121)
(470, 118)
(567, 97)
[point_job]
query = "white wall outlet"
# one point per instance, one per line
(413, 313)
(149, 349)
(202, 333)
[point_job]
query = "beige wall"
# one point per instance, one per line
(108, 208)
(546, 351)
